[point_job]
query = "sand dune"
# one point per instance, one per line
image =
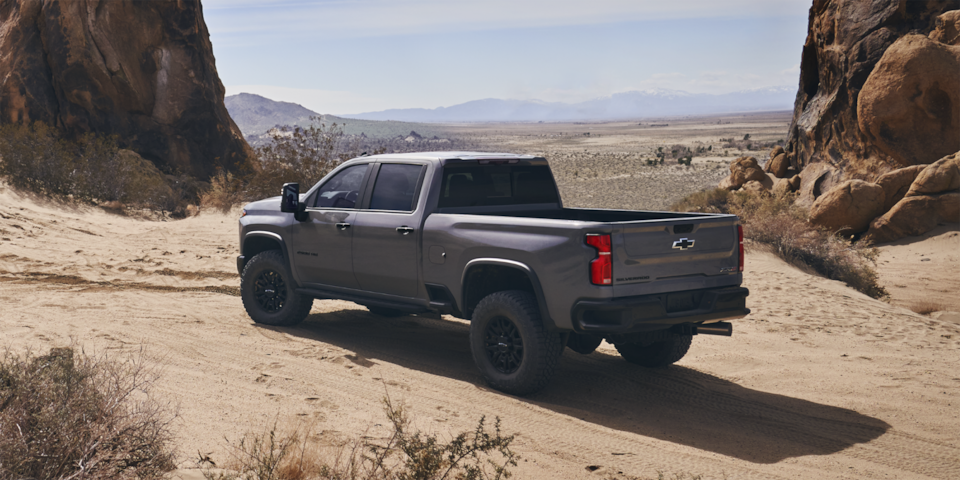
(819, 381)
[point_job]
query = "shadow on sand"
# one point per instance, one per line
(675, 404)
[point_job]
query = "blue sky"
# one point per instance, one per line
(340, 56)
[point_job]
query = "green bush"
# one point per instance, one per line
(72, 416)
(782, 226)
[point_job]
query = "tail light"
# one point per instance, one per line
(601, 268)
(740, 234)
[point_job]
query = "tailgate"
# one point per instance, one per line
(646, 252)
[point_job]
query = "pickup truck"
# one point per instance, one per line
(485, 237)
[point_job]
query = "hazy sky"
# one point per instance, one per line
(341, 56)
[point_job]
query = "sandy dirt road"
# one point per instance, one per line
(818, 382)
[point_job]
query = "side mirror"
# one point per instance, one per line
(290, 198)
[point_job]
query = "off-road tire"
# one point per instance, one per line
(385, 312)
(656, 354)
(269, 292)
(499, 321)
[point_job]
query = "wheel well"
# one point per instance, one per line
(482, 280)
(256, 244)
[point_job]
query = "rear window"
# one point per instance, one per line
(490, 185)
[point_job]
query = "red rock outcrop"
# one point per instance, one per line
(143, 70)
(848, 208)
(845, 42)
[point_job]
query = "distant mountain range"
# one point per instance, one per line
(620, 106)
(255, 115)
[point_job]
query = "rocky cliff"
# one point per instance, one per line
(143, 70)
(875, 93)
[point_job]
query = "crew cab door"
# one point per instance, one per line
(323, 244)
(387, 234)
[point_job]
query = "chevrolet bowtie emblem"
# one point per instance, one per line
(683, 244)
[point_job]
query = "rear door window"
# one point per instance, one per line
(396, 187)
(343, 189)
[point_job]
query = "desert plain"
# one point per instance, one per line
(819, 381)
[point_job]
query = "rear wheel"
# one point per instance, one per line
(656, 354)
(510, 346)
(268, 291)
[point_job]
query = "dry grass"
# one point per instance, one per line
(783, 227)
(291, 454)
(91, 168)
(67, 416)
(926, 307)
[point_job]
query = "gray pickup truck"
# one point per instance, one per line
(485, 237)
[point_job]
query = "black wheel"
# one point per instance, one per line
(385, 312)
(511, 348)
(656, 354)
(267, 290)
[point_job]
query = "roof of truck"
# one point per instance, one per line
(452, 155)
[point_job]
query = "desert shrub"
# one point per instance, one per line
(404, 455)
(90, 168)
(295, 154)
(64, 415)
(926, 307)
(782, 226)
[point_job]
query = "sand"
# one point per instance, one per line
(819, 381)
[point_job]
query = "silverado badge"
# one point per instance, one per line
(683, 244)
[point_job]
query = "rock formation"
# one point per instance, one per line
(848, 208)
(743, 170)
(141, 70)
(846, 40)
(933, 197)
(909, 108)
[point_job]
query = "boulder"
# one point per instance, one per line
(947, 30)
(848, 208)
(775, 151)
(816, 180)
(933, 198)
(754, 187)
(794, 183)
(895, 184)
(915, 216)
(845, 41)
(778, 166)
(143, 71)
(782, 187)
(909, 107)
(940, 176)
(743, 170)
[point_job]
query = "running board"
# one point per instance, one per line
(365, 301)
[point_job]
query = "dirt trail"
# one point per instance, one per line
(818, 382)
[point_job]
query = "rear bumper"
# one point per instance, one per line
(648, 313)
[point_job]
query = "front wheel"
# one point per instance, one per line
(268, 291)
(656, 354)
(510, 346)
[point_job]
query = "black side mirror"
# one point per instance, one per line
(290, 198)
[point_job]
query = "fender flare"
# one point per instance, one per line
(275, 237)
(531, 275)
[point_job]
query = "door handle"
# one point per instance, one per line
(405, 230)
(343, 226)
